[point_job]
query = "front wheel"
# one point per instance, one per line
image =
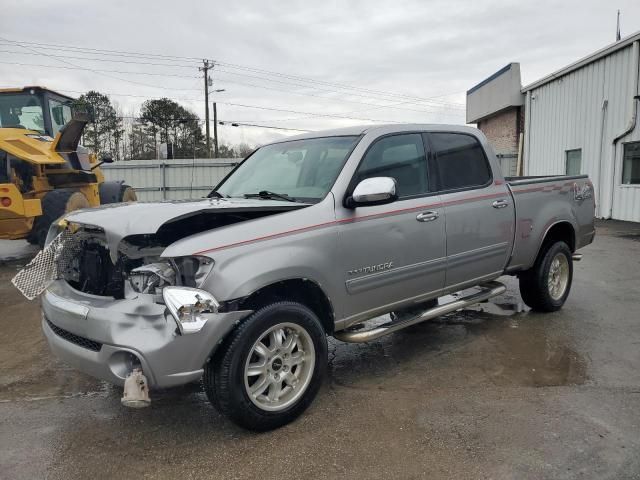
(270, 368)
(545, 287)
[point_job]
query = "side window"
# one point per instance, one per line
(460, 161)
(401, 157)
(573, 161)
(60, 115)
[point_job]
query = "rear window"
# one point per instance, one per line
(460, 161)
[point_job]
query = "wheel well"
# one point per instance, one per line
(306, 292)
(562, 231)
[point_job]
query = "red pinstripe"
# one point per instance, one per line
(372, 216)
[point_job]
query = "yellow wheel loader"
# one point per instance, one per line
(44, 172)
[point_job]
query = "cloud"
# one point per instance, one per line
(415, 48)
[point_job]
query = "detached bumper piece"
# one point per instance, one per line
(136, 390)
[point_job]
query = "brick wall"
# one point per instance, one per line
(502, 130)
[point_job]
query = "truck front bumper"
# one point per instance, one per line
(106, 338)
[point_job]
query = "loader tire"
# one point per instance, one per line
(545, 287)
(55, 204)
(116, 192)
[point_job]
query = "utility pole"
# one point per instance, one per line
(205, 68)
(215, 130)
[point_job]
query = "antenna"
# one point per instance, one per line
(618, 28)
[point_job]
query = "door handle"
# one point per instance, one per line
(429, 216)
(500, 204)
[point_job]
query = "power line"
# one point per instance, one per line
(100, 51)
(306, 94)
(241, 67)
(76, 66)
(433, 103)
(328, 115)
(373, 105)
(232, 123)
(321, 82)
(102, 70)
(93, 59)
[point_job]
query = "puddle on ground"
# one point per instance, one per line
(498, 343)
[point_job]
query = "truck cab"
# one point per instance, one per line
(35, 108)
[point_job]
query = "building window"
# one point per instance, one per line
(573, 165)
(631, 163)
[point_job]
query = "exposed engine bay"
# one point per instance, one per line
(82, 255)
(139, 267)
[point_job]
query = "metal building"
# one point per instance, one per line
(584, 119)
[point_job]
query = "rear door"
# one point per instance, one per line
(479, 211)
(393, 252)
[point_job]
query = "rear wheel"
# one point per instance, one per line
(269, 370)
(545, 287)
(55, 204)
(116, 192)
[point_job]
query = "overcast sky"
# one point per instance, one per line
(420, 56)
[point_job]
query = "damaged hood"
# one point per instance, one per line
(124, 219)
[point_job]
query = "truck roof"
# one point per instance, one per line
(382, 130)
(34, 87)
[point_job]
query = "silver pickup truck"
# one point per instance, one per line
(310, 236)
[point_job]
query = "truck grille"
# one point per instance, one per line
(75, 339)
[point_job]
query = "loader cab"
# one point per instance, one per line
(35, 108)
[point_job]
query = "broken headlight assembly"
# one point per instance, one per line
(189, 307)
(152, 278)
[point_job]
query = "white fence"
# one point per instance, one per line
(170, 179)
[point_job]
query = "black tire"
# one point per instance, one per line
(534, 286)
(55, 204)
(224, 374)
(116, 192)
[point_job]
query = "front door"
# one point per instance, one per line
(394, 252)
(479, 211)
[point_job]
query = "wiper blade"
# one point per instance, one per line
(214, 193)
(270, 195)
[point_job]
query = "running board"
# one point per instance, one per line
(488, 291)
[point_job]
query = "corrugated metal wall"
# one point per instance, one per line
(170, 179)
(587, 109)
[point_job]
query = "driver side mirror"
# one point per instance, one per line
(373, 191)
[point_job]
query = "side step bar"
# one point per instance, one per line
(488, 291)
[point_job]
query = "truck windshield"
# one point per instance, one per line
(21, 110)
(300, 170)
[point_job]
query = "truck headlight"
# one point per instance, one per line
(192, 271)
(189, 307)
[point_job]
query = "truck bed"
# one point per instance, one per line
(541, 179)
(543, 201)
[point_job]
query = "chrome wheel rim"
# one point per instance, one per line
(279, 367)
(558, 276)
